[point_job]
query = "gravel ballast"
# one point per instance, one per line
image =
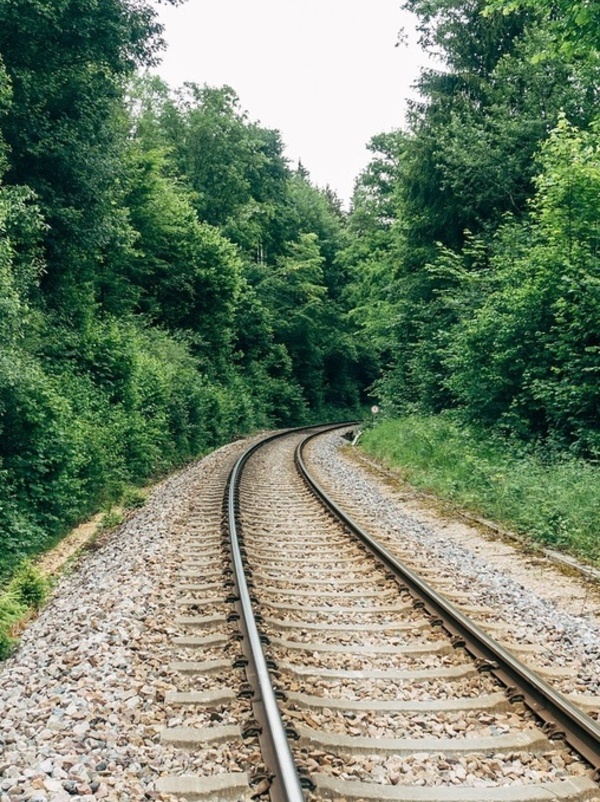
(85, 699)
(557, 614)
(82, 699)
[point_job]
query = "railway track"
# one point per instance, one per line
(308, 667)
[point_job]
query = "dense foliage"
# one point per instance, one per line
(166, 280)
(475, 250)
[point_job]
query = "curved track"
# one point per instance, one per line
(362, 682)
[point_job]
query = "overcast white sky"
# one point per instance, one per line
(326, 73)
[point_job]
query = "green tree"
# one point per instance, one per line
(574, 23)
(369, 255)
(295, 294)
(240, 183)
(183, 273)
(529, 356)
(316, 211)
(66, 61)
(426, 211)
(235, 167)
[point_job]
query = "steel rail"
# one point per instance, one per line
(286, 785)
(562, 719)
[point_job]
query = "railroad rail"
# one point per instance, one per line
(286, 784)
(359, 605)
(561, 718)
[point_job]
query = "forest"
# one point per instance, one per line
(168, 281)
(476, 231)
(474, 250)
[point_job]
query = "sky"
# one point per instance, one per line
(326, 73)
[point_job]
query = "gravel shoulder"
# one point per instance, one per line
(81, 700)
(542, 604)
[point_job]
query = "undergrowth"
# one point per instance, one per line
(28, 588)
(552, 499)
(110, 520)
(133, 498)
(26, 592)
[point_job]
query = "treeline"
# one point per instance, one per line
(166, 280)
(476, 231)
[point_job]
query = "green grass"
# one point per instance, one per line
(553, 501)
(26, 592)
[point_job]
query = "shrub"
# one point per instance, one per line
(110, 520)
(28, 587)
(133, 499)
(10, 612)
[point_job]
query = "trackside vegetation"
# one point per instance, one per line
(554, 501)
(474, 252)
(476, 230)
(24, 594)
(168, 281)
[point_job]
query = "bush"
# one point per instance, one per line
(10, 612)
(27, 590)
(110, 520)
(113, 407)
(29, 587)
(133, 499)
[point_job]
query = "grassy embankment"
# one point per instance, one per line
(24, 594)
(552, 501)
